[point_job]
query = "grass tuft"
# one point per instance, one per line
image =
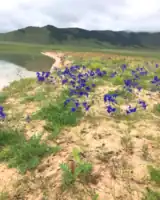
(39, 96)
(157, 108)
(154, 174)
(3, 97)
(10, 137)
(151, 195)
(21, 86)
(4, 196)
(21, 153)
(57, 115)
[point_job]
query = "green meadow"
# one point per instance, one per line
(48, 152)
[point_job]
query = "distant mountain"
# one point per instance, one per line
(77, 36)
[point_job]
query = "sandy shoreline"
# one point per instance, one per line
(59, 59)
(56, 56)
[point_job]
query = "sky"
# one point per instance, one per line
(131, 15)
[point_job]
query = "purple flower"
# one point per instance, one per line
(73, 109)
(123, 67)
(88, 88)
(42, 77)
(110, 109)
(131, 110)
(113, 74)
(142, 103)
(110, 98)
(128, 82)
(2, 114)
(86, 106)
(139, 88)
(64, 81)
(155, 80)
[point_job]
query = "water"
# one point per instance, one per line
(14, 67)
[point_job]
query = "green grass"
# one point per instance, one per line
(3, 97)
(122, 93)
(117, 81)
(21, 86)
(21, 48)
(151, 195)
(82, 170)
(95, 197)
(154, 177)
(157, 108)
(39, 96)
(79, 170)
(10, 137)
(26, 154)
(57, 115)
(154, 174)
(134, 52)
(21, 153)
(28, 48)
(4, 196)
(35, 49)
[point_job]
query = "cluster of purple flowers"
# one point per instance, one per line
(140, 71)
(136, 76)
(45, 77)
(80, 82)
(156, 81)
(131, 110)
(129, 85)
(77, 78)
(134, 109)
(2, 114)
(143, 104)
(42, 76)
(111, 100)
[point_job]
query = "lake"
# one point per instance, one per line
(14, 67)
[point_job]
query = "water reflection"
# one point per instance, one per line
(29, 62)
(14, 67)
(10, 72)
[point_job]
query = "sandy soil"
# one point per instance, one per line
(119, 165)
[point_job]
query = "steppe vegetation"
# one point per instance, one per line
(87, 132)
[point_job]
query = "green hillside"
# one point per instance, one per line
(76, 36)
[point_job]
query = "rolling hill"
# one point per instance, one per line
(76, 36)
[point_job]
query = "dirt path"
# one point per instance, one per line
(59, 59)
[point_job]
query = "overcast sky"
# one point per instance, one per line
(135, 15)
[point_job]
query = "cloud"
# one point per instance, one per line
(135, 15)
